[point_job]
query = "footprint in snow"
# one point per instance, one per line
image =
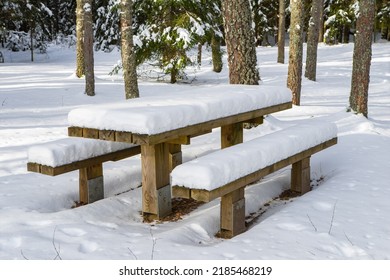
(88, 247)
(73, 232)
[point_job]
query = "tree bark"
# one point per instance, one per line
(32, 28)
(127, 50)
(312, 40)
(321, 27)
(281, 30)
(80, 39)
(88, 49)
(362, 57)
(240, 42)
(294, 79)
(199, 57)
(216, 53)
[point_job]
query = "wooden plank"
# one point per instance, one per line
(123, 136)
(256, 121)
(75, 131)
(34, 167)
(232, 134)
(91, 133)
(108, 135)
(122, 154)
(181, 192)
(232, 213)
(194, 129)
(155, 175)
(182, 140)
(91, 192)
(175, 156)
(202, 195)
(201, 133)
(300, 176)
(206, 196)
(114, 156)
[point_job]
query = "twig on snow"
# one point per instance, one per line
(331, 222)
(58, 256)
(315, 228)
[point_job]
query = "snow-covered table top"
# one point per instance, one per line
(158, 114)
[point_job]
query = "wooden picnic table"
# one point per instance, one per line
(161, 124)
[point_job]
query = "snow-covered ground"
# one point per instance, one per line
(346, 216)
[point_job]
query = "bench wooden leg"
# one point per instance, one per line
(233, 214)
(91, 185)
(300, 176)
(156, 191)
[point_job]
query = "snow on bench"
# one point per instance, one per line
(225, 173)
(86, 155)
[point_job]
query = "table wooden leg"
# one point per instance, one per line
(156, 191)
(232, 134)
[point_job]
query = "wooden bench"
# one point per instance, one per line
(86, 155)
(227, 172)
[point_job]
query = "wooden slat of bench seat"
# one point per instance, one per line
(206, 196)
(113, 156)
(121, 136)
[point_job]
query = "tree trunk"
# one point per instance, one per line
(80, 38)
(281, 30)
(199, 57)
(321, 24)
(294, 79)
(216, 53)
(88, 49)
(346, 30)
(362, 57)
(312, 40)
(32, 27)
(384, 30)
(127, 50)
(240, 42)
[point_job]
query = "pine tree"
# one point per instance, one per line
(240, 42)
(127, 50)
(340, 17)
(265, 18)
(312, 40)
(294, 79)
(167, 29)
(384, 19)
(281, 30)
(216, 53)
(88, 49)
(362, 57)
(80, 39)
(106, 31)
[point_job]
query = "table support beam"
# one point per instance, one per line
(156, 194)
(232, 134)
